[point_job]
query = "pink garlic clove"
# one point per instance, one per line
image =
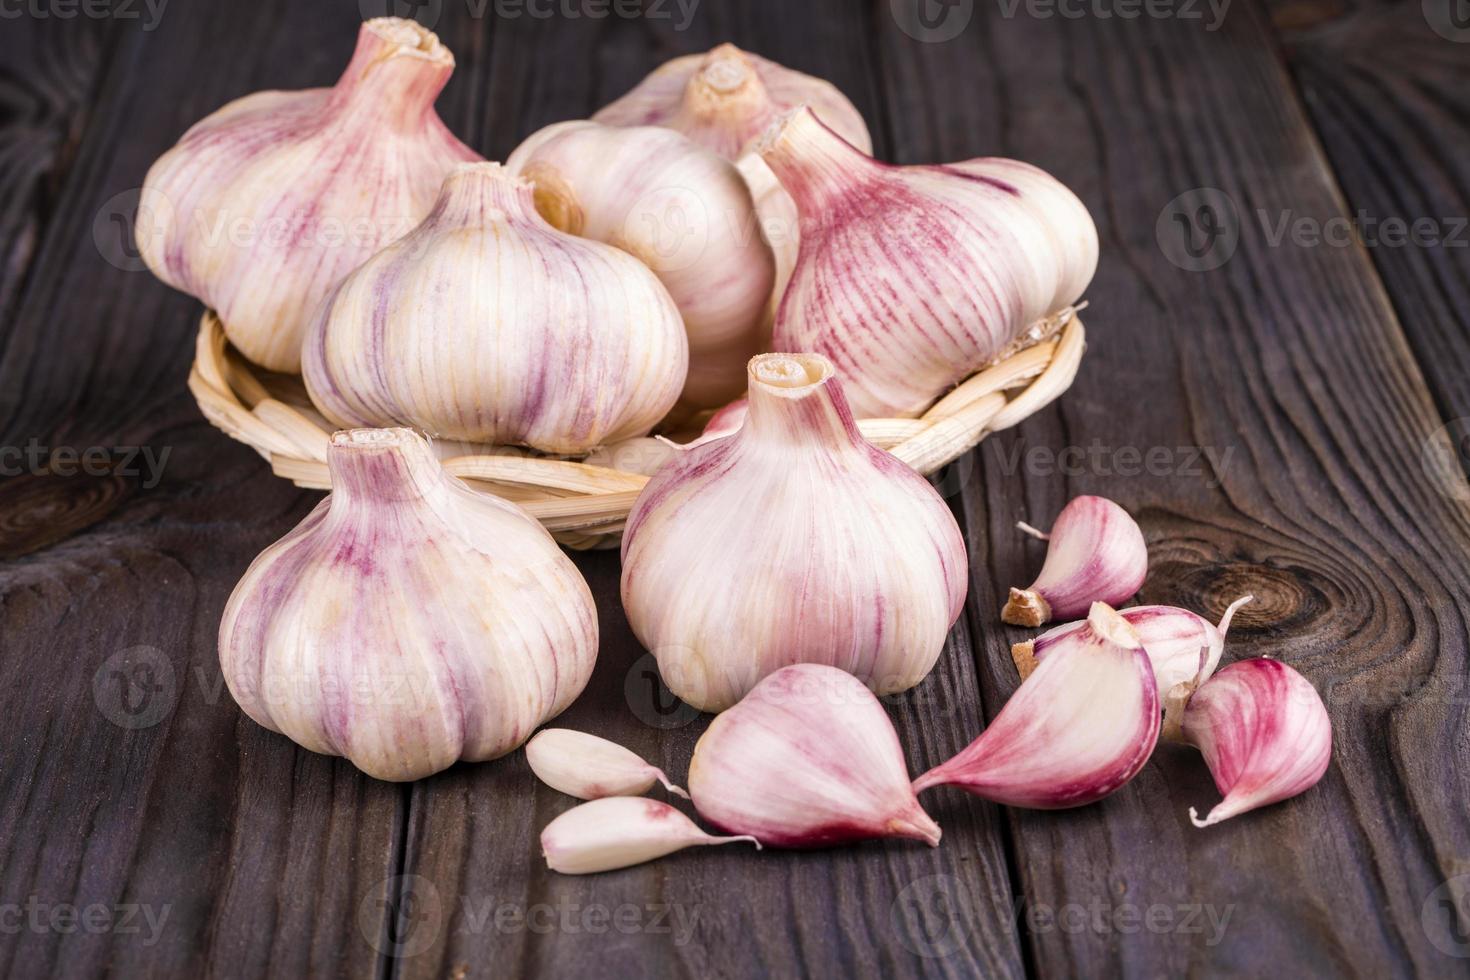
(807, 759)
(1172, 637)
(1096, 553)
(1264, 733)
(582, 765)
(1082, 725)
(619, 832)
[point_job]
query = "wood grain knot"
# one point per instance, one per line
(1285, 597)
(39, 509)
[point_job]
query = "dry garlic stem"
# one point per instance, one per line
(792, 541)
(487, 324)
(265, 205)
(808, 758)
(619, 832)
(409, 621)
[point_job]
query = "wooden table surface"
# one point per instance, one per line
(1283, 404)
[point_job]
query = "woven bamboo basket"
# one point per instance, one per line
(584, 504)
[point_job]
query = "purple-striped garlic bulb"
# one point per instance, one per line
(1263, 731)
(266, 204)
(807, 759)
(408, 622)
(487, 324)
(725, 98)
(1082, 725)
(1183, 647)
(792, 541)
(911, 278)
(1095, 553)
(686, 212)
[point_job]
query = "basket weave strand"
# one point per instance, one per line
(585, 505)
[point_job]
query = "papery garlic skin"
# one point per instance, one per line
(1264, 733)
(619, 832)
(1082, 725)
(792, 541)
(686, 213)
(1095, 553)
(1174, 639)
(583, 765)
(724, 100)
(808, 758)
(911, 278)
(408, 622)
(487, 324)
(265, 205)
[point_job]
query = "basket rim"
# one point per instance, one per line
(585, 504)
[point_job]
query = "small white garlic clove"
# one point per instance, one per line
(619, 832)
(1095, 553)
(1173, 638)
(911, 278)
(487, 324)
(724, 99)
(1264, 733)
(1082, 725)
(583, 765)
(408, 622)
(686, 213)
(807, 759)
(265, 205)
(794, 540)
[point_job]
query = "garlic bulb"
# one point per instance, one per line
(487, 324)
(1264, 733)
(792, 541)
(1082, 725)
(266, 204)
(724, 99)
(911, 278)
(589, 768)
(1181, 645)
(1095, 553)
(619, 832)
(408, 622)
(808, 758)
(684, 211)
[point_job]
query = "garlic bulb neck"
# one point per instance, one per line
(476, 194)
(793, 403)
(397, 71)
(815, 165)
(727, 90)
(381, 465)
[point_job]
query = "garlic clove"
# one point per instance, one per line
(265, 205)
(619, 832)
(1172, 637)
(1082, 725)
(807, 759)
(792, 541)
(1095, 553)
(911, 278)
(582, 765)
(487, 324)
(408, 622)
(1264, 733)
(686, 213)
(724, 99)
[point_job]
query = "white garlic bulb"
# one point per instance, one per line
(684, 211)
(487, 324)
(792, 541)
(911, 278)
(724, 99)
(267, 203)
(408, 622)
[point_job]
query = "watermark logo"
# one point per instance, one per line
(1450, 19)
(97, 919)
(650, 699)
(1445, 917)
(135, 688)
(932, 915)
(1445, 458)
(403, 917)
(932, 21)
(427, 13)
(1198, 230)
(424, 12)
(1185, 10)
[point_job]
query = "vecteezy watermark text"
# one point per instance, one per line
(150, 12)
(1214, 10)
(41, 460)
(1207, 463)
(121, 919)
(428, 12)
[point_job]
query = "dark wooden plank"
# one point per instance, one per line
(132, 782)
(1290, 360)
(473, 851)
